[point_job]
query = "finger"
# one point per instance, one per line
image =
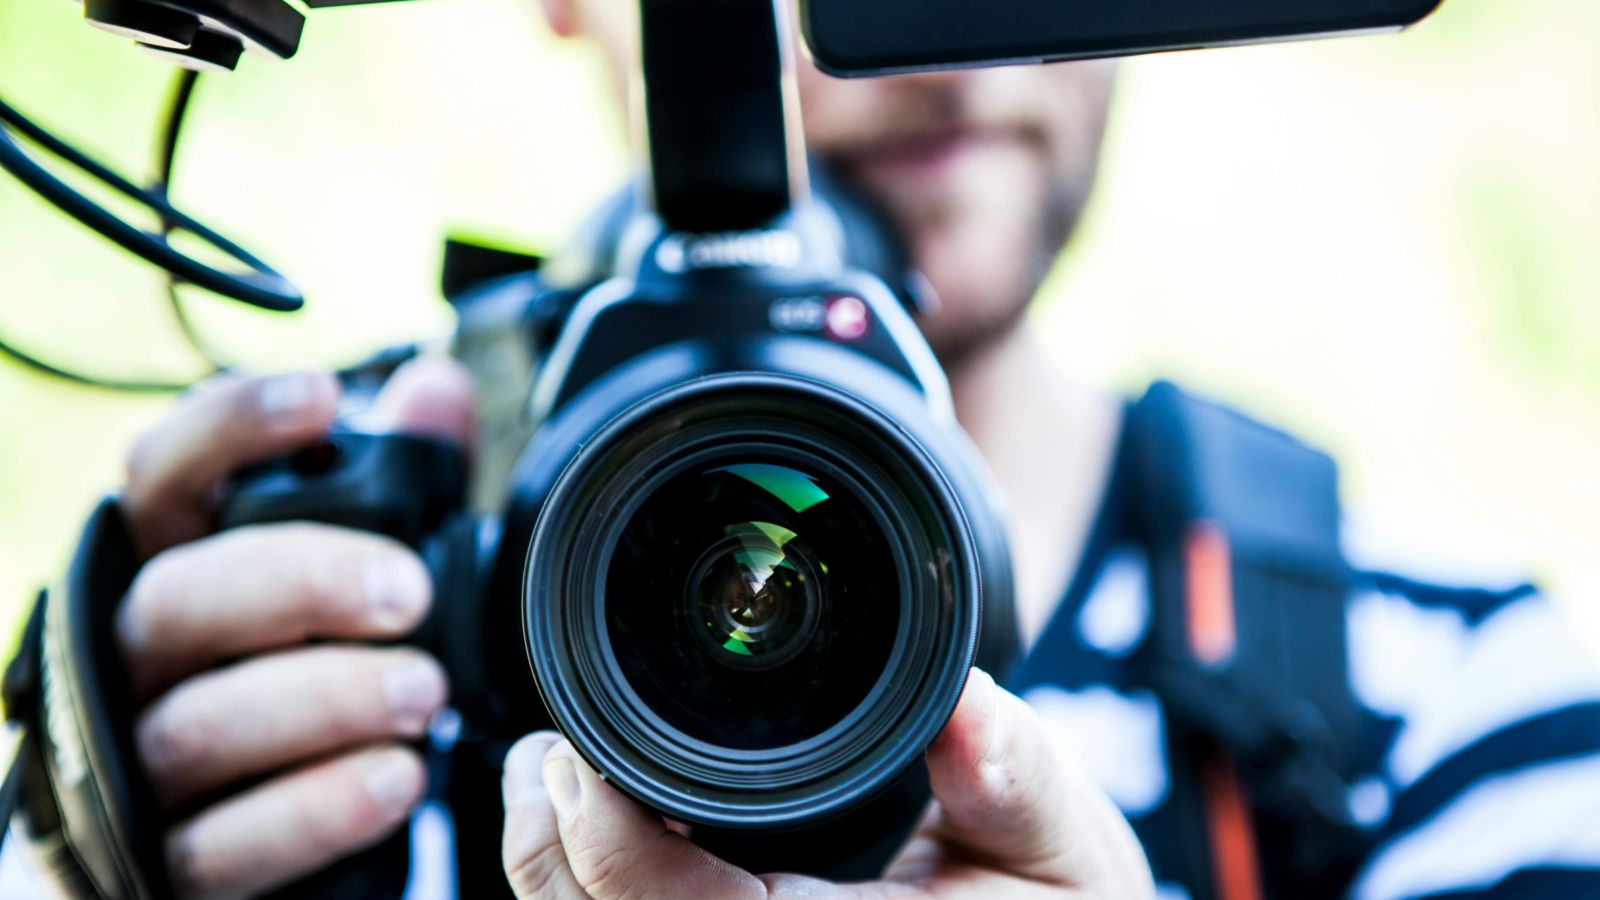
(616, 848)
(267, 586)
(268, 712)
(535, 862)
(174, 467)
(295, 824)
(431, 396)
(1006, 796)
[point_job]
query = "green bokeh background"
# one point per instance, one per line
(1390, 245)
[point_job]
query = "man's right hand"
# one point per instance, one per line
(270, 724)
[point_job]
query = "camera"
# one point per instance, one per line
(747, 553)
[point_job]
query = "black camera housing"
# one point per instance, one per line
(827, 368)
(703, 353)
(734, 329)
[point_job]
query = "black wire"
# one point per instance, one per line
(258, 285)
(172, 127)
(72, 155)
(111, 384)
(155, 197)
(166, 160)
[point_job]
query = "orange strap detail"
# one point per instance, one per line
(1208, 594)
(1212, 636)
(1235, 870)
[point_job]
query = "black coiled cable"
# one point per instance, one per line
(258, 285)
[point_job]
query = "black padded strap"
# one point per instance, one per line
(1276, 702)
(107, 806)
(73, 784)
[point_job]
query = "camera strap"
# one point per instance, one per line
(74, 790)
(1247, 647)
(74, 787)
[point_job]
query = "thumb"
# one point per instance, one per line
(1008, 797)
(535, 862)
(569, 834)
(430, 396)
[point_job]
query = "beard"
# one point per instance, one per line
(987, 300)
(985, 174)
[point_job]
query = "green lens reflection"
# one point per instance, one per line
(753, 598)
(797, 490)
(755, 595)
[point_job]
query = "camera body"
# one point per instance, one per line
(747, 557)
(749, 391)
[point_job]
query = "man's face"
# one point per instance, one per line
(984, 171)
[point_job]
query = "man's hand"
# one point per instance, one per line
(1011, 818)
(280, 754)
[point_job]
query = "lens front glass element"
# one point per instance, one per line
(753, 599)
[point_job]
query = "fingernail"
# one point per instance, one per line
(392, 782)
(561, 782)
(993, 728)
(396, 589)
(285, 395)
(993, 767)
(415, 689)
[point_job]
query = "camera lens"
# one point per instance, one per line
(751, 600)
(753, 597)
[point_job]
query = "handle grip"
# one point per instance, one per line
(397, 485)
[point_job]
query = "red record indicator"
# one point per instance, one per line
(846, 318)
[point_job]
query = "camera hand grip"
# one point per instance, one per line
(397, 485)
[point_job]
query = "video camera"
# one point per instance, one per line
(744, 556)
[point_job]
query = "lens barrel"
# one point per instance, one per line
(751, 601)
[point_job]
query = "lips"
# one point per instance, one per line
(923, 154)
(924, 157)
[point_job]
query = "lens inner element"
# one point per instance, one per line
(753, 602)
(757, 594)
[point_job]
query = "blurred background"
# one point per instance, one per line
(1389, 245)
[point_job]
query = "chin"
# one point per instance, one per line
(965, 324)
(983, 273)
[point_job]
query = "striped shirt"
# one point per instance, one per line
(1482, 775)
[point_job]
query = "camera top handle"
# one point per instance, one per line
(722, 114)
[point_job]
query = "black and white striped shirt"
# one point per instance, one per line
(1482, 779)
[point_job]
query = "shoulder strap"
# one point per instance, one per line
(1248, 646)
